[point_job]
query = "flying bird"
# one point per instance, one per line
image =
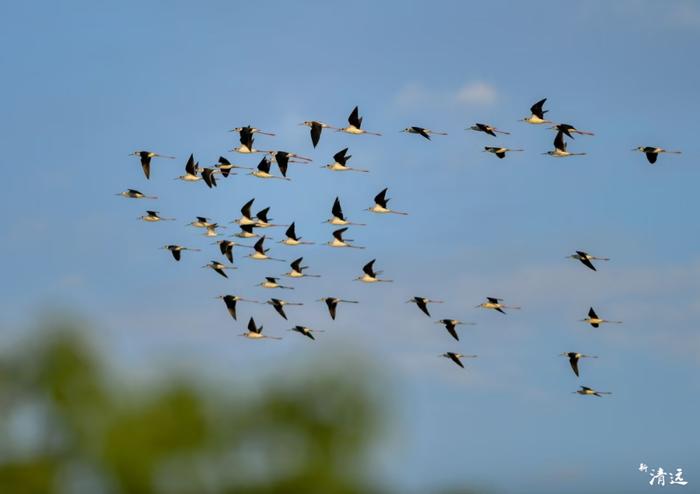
(283, 158)
(423, 132)
(247, 231)
(596, 321)
(263, 170)
(586, 259)
(339, 164)
(589, 391)
(355, 125)
(279, 305)
(381, 204)
(248, 130)
(297, 270)
(260, 252)
(499, 151)
(271, 283)
(422, 303)
(225, 167)
(451, 326)
(560, 150)
(176, 250)
(292, 238)
(226, 248)
(263, 221)
(231, 300)
(339, 241)
(208, 176)
(246, 140)
(135, 194)
(370, 275)
(308, 332)
(211, 230)
(574, 358)
(487, 129)
(537, 113)
(246, 214)
(191, 171)
(200, 222)
(338, 218)
(145, 157)
(456, 357)
(255, 332)
(332, 304)
(153, 216)
(218, 267)
(570, 130)
(315, 130)
(652, 152)
(494, 303)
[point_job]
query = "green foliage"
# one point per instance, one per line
(68, 428)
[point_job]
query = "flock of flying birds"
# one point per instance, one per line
(249, 222)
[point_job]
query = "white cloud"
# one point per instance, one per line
(414, 95)
(477, 93)
(685, 15)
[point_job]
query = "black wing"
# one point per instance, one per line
(316, 130)
(559, 141)
(592, 314)
(455, 359)
(332, 306)
(262, 215)
(573, 360)
(259, 247)
(451, 329)
(354, 119)
(282, 160)
(208, 176)
(227, 249)
(176, 254)
(264, 165)
(278, 307)
(421, 131)
(146, 165)
(296, 264)
(337, 210)
(651, 157)
(586, 262)
(291, 233)
(252, 327)
(566, 129)
(338, 234)
(340, 156)
(230, 305)
(189, 166)
(245, 210)
(246, 137)
(381, 199)
(420, 302)
(536, 109)
(369, 268)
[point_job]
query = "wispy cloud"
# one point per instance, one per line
(477, 93)
(415, 95)
(686, 15)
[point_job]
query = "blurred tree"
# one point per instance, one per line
(66, 429)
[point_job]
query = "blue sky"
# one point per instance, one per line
(86, 84)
